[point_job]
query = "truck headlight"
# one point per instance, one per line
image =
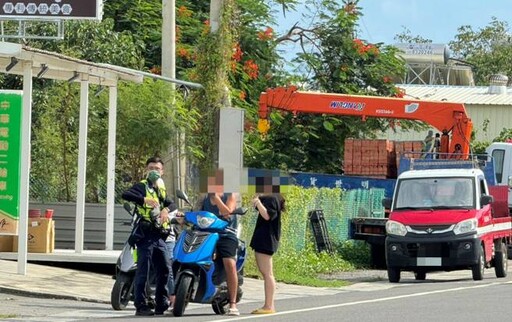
(465, 226)
(395, 228)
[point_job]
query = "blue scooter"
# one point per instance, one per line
(199, 274)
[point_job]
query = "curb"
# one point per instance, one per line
(14, 291)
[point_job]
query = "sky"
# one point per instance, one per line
(437, 20)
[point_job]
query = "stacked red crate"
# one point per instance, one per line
(348, 156)
(375, 158)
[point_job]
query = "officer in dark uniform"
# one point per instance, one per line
(153, 208)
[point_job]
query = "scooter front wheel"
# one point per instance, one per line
(183, 292)
(121, 291)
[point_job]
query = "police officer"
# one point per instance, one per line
(153, 208)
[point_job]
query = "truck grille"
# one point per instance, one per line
(430, 229)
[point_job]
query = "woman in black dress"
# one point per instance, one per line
(265, 242)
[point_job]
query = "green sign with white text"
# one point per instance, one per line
(10, 160)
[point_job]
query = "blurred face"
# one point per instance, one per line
(216, 183)
(155, 166)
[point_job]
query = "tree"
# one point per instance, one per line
(406, 37)
(339, 62)
(149, 106)
(129, 36)
(234, 65)
(488, 49)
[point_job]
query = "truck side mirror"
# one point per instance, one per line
(510, 182)
(486, 199)
(386, 203)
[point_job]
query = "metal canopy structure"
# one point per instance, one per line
(60, 67)
(30, 62)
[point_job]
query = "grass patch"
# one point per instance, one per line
(7, 316)
(306, 267)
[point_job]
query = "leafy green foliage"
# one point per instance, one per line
(149, 118)
(148, 115)
(478, 147)
(338, 62)
(406, 37)
(355, 252)
(488, 49)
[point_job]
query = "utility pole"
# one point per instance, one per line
(215, 8)
(229, 123)
(176, 155)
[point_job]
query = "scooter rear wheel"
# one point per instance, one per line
(183, 289)
(121, 291)
(220, 306)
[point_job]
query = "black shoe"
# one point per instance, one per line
(161, 310)
(144, 311)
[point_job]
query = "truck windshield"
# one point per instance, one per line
(431, 193)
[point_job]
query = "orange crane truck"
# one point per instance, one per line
(451, 119)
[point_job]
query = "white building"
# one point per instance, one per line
(434, 76)
(490, 108)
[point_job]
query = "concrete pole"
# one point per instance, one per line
(111, 168)
(82, 164)
(215, 8)
(169, 70)
(169, 38)
(25, 167)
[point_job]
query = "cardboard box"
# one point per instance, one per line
(6, 243)
(41, 236)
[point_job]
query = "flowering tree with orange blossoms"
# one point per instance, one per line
(338, 61)
(242, 59)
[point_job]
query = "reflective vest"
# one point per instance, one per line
(145, 211)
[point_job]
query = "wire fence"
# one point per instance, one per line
(44, 192)
(338, 207)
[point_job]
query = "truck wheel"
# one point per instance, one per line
(500, 260)
(478, 269)
(420, 275)
(393, 274)
(183, 288)
(121, 292)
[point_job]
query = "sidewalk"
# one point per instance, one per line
(63, 283)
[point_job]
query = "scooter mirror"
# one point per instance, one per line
(127, 207)
(239, 211)
(183, 196)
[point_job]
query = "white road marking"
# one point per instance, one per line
(392, 298)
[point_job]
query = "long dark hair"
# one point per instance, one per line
(282, 201)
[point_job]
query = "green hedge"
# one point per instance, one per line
(338, 207)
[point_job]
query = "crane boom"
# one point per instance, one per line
(448, 118)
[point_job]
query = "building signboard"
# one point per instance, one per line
(51, 9)
(10, 160)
